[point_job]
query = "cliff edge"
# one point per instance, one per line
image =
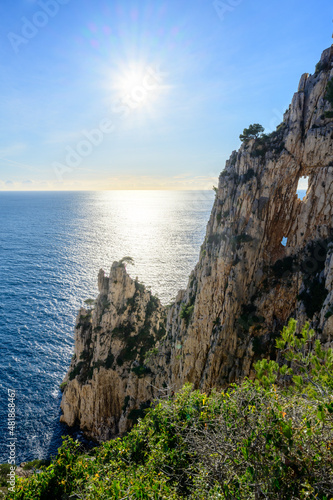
(266, 257)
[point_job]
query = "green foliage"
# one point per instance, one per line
(84, 320)
(141, 370)
(328, 114)
(233, 159)
(105, 303)
(4, 471)
(320, 66)
(109, 361)
(215, 239)
(127, 260)
(139, 413)
(76, 370)
(270, 438)
(248, 175)
(90, 302)
(186, 312)
(270, 143)
(329, 92)
(136, 346)
(63, 386)
(122, 331)
(329, 98)
(262, 146)
(248, 318)
(306, 363)
(150, 354)
(253, 132)
(152, 306)
(239, 239)
(36, 464)
(329, 313)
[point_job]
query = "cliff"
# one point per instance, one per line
(245, 287)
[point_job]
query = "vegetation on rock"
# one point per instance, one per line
(329, 92)
(253, 132)
(268, 438)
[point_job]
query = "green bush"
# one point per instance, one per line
(62, 386)
(328, 114)
(253, 132)
(248, 175)
(321, 67)
(329, 92)
(141, 370)
(126, 260)
(36, 464)
(270, 438)
(4, 471)
(186, 312)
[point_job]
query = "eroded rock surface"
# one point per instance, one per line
(243, 290)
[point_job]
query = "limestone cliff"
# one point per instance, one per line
(245, 287)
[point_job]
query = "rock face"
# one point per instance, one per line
(108, 374)
(245, 287)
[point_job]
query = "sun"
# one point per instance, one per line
(129, 79)
(138, 84)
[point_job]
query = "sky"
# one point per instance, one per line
(145, 94)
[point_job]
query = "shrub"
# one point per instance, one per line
(4, 471)
(270, 438)
(186, 312)
(76, 371)
(320, 67)
(329, 313)
(63, 386)
(90, 302)
(126, 260)
(150, 354)
(329, 92)
(141, 370)
(253, 132)
(36, 464)
(248, 175)
(237, 240)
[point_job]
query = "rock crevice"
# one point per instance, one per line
(245, 287)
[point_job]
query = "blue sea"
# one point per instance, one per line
(52, 246)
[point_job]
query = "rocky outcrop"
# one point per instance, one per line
(108, 372)
(245, 287)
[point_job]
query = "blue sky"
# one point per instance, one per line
(145, 94)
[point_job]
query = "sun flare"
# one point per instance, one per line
(138, 85)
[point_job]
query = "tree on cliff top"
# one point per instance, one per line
(127, 260)
(253, 132)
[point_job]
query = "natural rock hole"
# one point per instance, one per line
(302, 187)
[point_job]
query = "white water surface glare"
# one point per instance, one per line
(52, 246)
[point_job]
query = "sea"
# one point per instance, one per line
(52, 245)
